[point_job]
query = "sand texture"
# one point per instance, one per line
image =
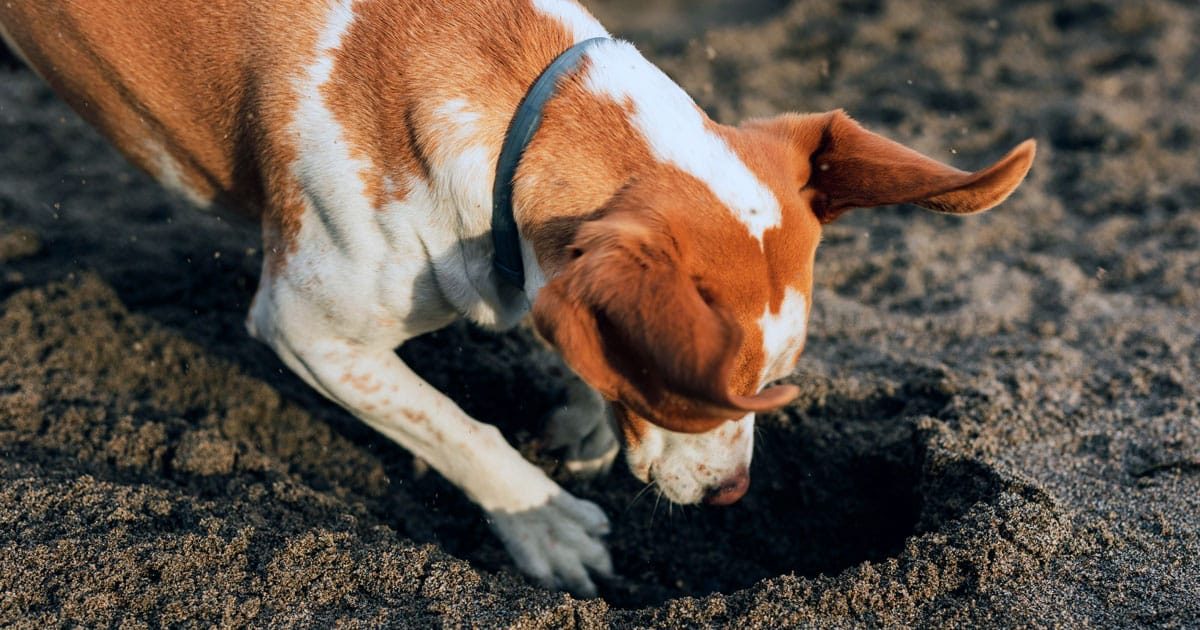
(999, 424)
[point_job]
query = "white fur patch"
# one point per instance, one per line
(463, 166)
(674, 130)
(574, 17)
(168, 173)
(783, 334)
(459, 120)
(328, 175)
(464, 177)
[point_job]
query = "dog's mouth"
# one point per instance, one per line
(683, 490)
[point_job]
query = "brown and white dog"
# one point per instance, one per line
(667, 257)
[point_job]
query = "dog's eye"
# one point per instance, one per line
(576, 253)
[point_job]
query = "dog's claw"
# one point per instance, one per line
(558, 544)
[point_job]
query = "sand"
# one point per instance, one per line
(999, 418)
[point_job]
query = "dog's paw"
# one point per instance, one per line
(558, 544)
(582, 431)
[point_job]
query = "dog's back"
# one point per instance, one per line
(119, 64)
(202, 93)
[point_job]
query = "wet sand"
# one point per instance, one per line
(999, 422)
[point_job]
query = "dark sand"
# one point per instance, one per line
(998, 426)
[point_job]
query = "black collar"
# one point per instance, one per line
(505, 238)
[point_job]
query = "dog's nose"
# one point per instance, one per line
(730, 490)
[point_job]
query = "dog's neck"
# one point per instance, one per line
(602, 130)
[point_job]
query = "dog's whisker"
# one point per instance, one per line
(640, 493)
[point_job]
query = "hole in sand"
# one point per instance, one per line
(834, 485)
(837, 480)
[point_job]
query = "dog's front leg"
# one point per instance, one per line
(551, 535)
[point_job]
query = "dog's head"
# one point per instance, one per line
(679, 308)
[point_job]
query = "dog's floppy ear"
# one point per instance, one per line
(851, 167)
(629, 319)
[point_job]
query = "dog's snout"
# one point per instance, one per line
(730, 490)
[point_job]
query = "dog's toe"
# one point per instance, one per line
(588, 514)
(585, 467)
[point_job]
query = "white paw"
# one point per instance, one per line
(558, 543)
(582, 431)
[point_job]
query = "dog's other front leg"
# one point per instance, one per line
(582, 429)
(552, 536)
